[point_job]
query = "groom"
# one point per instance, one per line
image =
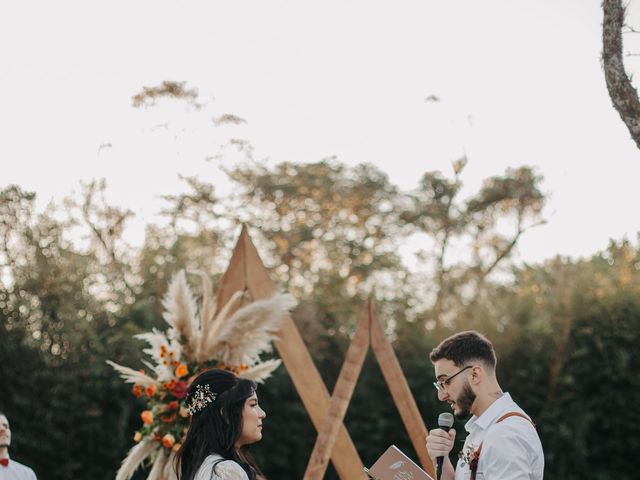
(502, 442)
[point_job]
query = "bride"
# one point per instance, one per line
(225, 418)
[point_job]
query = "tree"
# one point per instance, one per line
(622, 92)
(469, 238)
(566, 354)
(56, 331)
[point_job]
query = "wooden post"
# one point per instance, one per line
(401, 393)
(340, 399)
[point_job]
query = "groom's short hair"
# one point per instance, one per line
(465, 347)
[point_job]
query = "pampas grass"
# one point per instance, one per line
(180, 313)
(210, 341)
(169, 470)
(251, 329)
(157, 468)
(133, 376)
(207, 312)
(262, 371)
(135, 457)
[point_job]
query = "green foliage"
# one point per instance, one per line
(596, 389)
(55, 335)
(327, 224)
(483, 230)
(570, 354)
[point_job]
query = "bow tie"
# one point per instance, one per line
(4, 462)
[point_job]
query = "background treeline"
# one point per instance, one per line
(72, 294)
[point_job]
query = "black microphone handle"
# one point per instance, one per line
(440, 460)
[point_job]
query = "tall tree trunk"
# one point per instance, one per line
(623, 95)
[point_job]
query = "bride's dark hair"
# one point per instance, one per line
(217, 424)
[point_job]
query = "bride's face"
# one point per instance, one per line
(252, 417)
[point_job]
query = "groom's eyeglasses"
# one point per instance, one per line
(442, 384)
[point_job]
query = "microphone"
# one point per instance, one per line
(445, 422)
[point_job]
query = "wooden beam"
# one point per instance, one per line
(401, 393)
(235, 278)
(246, 270)
(342, 393)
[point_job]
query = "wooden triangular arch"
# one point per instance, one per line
(247, 272)
(369, 332)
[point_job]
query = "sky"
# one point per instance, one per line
(517, 82)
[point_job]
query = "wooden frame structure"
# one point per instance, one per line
(247, 272)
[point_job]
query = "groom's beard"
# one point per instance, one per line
(464, 402)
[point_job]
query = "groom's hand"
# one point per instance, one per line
(440, 443)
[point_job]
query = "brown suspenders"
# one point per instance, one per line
(473, 465)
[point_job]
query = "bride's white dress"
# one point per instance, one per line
(225, 470)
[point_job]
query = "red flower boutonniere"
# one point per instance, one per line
(473, 463)
(470, 456)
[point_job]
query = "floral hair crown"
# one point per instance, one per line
(200, 399)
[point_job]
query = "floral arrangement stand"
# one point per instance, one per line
(231, 332)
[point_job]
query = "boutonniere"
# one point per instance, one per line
(469, 456)
(473, 464)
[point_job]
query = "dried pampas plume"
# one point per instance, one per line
(158, 466)
(133, 376)
(169, 471)
(236, 335)
(250, 330)
(209, 338)
(135, 457)
(262, 371)
(180, 313)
